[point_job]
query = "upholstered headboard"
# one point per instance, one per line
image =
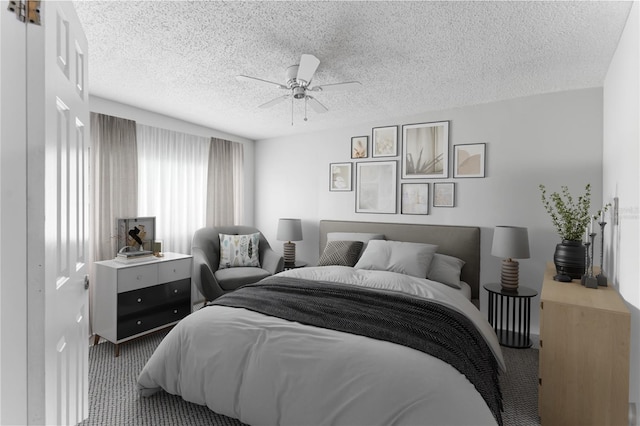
(462, 242)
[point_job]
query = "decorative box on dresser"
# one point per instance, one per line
(130, 300)
(584, 354)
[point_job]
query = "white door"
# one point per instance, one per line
(57, 219)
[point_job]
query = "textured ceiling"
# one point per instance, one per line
(181, 58)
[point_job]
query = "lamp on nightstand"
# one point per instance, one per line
(510, 242)
(289, 230)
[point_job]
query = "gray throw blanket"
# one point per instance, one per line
(420, 324)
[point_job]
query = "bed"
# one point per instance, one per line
(364, 344)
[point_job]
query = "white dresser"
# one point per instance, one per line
(131, 300)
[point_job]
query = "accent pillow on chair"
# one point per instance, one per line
(239, 250)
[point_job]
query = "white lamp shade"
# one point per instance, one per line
(510, 242)
(289, 230)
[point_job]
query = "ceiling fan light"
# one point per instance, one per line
(298, 85)
(298, 92)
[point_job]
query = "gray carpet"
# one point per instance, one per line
(114, 400)
(520, 387)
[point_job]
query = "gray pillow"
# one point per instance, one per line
(343, 253)
(397, 256)
(365, 237)
(446, 269)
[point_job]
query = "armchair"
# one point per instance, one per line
(213, 282)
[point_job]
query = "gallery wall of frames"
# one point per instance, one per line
(418, 167)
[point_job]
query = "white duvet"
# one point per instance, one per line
(268, 371)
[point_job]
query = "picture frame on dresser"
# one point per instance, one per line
(136, 234)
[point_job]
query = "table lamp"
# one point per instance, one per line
(289, 230)
(510, 242)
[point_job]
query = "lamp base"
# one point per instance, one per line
(509, 274)
(289, 253)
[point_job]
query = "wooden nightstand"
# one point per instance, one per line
(131, 300)
(510, 314)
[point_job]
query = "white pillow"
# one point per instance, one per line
(446, 269)
(397, 256)
(365, 237)
(239, 250)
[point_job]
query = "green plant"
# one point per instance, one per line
(600, 213)
(570, 217)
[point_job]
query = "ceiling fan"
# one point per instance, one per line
(298, 85)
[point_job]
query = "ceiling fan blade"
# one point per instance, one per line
(347, 85)
(317, 106)
(253, 79)
(275, 101)
(306, 69)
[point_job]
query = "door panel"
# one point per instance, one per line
(58, 150)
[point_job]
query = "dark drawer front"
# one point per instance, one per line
(138, 302)
(143, 322)
(151, 307)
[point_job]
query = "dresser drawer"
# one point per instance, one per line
(137, 277)
(174, 270)
(151, 298)
(178, 290)
(146, 321)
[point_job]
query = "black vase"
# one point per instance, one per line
(570, 258)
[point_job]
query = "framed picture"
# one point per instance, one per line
(384, 141)
(376, 187)
(340, 176)
(136, 234)
(469, 160)
(444, 194)
(415, 198)
(360, 147)
(425, 150)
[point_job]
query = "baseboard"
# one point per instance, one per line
(535, 341)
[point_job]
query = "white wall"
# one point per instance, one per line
(13, 222)
(621, 178)
(104, 106)
(553, 139)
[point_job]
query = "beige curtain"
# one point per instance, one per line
(114, 180)
(225, 187)
(172, 184)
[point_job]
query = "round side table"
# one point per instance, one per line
(510, 314)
